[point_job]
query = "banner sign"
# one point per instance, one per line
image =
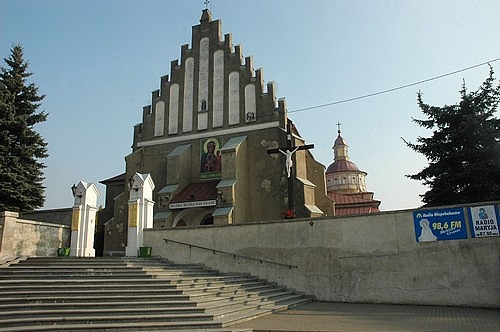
(440, 224)
(192, 204)
(484, 221)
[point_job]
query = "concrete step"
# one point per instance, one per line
(101, 280)
(130, 294)
(29, 285)
(118, 326)
(253, 312)
(221, 287)
(71, 270)
(97, 318)
(189, 279)
(155, 263)
(21, 312)
(93, 305)
(77, 292)
(46, 261)
(256, 298)
(186, 283)
(91, 276)
(73, 265)
(234, 312)
(258, 290)
(94, 297)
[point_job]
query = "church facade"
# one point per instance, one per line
(204, 139)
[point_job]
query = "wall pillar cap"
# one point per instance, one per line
(9, 214)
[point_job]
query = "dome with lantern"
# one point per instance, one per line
(346, 183)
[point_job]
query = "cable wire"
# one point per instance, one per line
(393, 89)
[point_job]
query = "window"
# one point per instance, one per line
(203, 107)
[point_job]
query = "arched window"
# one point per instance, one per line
(203, 107)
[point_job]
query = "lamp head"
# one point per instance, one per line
(74, 192)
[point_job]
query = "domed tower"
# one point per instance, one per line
(343, 176)
(345, 183)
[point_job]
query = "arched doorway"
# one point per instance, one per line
(193, 217)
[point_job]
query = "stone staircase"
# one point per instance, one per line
(130, 294)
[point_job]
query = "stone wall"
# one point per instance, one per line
(52, 216)
(366, 259)
(20, 237)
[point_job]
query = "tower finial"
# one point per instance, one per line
(338, 126)
(206, 3)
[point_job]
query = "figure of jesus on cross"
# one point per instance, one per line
(288, 162)
(288, 151)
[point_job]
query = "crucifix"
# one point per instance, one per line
(288, 152)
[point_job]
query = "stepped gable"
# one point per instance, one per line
(204, 89)
(212, 120)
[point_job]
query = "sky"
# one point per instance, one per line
(98, 61)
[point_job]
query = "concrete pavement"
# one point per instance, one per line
(327, 316)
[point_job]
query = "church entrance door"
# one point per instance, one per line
(193, 217)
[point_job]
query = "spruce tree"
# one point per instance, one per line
(464, 149)
(21, 147)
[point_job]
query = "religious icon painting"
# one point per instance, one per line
(210, 158)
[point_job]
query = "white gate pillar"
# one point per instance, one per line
(83, 219)
(140, 211)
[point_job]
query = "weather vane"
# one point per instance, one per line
(338, 126)
(206, 2)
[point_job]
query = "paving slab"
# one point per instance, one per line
(330, 317)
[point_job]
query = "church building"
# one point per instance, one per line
(346, 183)
(218, 145)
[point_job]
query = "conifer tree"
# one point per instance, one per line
(21, 147)
(464, 149)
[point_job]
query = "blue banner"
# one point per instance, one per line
(440, 224)
(484, 221)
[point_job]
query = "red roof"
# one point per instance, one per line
(342, 165)
(202, 191)
(352, 204)
(339, 141)
(350, 211)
